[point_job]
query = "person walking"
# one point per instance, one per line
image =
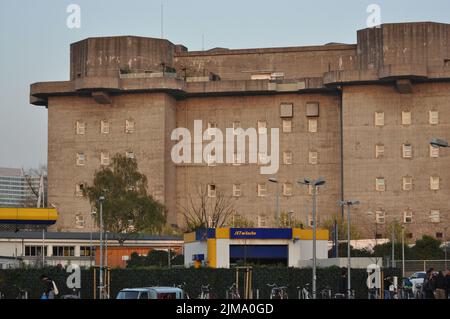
(427, 287)
(439, 286)
(343, 283)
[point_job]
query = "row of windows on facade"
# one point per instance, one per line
(59, 251)
(104, 158)
(433, 118)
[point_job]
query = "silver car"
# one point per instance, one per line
(151, 293)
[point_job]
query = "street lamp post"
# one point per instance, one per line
(403, 251)
(349, 204)
(445, 247)
(393, 245)
(277, 203)
(314, 184)
(437, 142)
(101, 199)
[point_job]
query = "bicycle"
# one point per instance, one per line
(204, 294)
(278, 292)
(182, 287)
(304, 292)
(233, 292)
(325, 293)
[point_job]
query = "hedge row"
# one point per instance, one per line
(12, 280)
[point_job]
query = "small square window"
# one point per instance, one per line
(434, 151)
(434, 183)
(81, 128)
(380, 184)
(287, 189)
(287, 158)
(262, 221)
(261, 190)
(237, 190)
(379, 118)
(312, 109)
(104, 127)
(435, 216)
(407, 151)
(406, 118)
(312, 125)
(311, 188)
(130, 155)
(104, 158)
(379, 151)
(313, 157)
(407, 183)
(380, 217)
(211, 190)
(79, 188)
(263, 158)
(262, 127)
(81, 159)
(79, 221)
(434, 117)
(439, 235)
(287, 126)
(129, 126)
(310, 221)
(407, 217)
(286, 110)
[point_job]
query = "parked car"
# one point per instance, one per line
(151, 293)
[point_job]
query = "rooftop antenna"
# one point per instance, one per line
(162, 20)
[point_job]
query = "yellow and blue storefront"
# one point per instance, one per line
(220, 247)
(12, 218)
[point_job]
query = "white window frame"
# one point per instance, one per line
(104, 159)
(262, 127)
(434, 151)
(79, 221)
(79, 189)
(407, 150)
(406, 118)
(211, 129)
(262, 190)
(129, 126)
(263, 159)
(130, 154)
(433, 117)
(287, 158)
(435, 216)
(237, 190)
(434, 183)
(212, 190)
(104, 127)
(379, 150)
(287, 126)
(262, 221)
(81, 159)
(313, 157)
(407, 182)
(379, 118)
(81, 128)
(313, 125)
(380, 217)
(288, 189)
(380, 184)
(408, 216)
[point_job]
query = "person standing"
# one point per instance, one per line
(439, 285)
(343, 283)
(50, 289)
(428, 283)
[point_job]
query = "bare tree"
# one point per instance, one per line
(31, 175)
(204, 211)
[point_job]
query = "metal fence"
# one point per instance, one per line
(412, 266)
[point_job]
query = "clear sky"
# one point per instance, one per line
(35, 41)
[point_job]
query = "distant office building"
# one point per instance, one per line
(18, 190)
